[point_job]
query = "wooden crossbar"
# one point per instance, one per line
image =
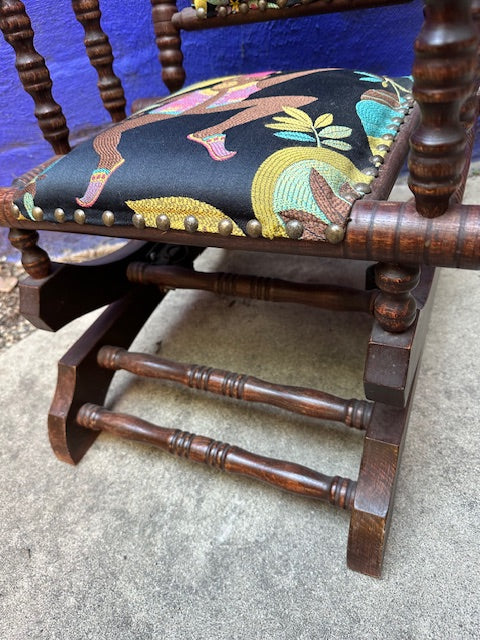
(310, 402)
(288, 476)
(258, 288)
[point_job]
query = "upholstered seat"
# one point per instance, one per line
(295, 149)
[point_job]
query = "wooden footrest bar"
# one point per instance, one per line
(270, 289)
(354, 413)
(288, 476)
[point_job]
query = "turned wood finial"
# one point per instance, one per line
(395, 306)
(34, 75)
(444, 74)
(168, 42)
(100, 54)
(470, 108)
(476, 13)
(35, 260)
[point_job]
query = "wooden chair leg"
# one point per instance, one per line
(390, 375)
(71, 290)
(392, 358)
(35, 260)
(373, 504)
(81, 380)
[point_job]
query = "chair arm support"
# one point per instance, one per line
(394, 232)
(444, 72)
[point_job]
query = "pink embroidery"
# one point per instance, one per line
(184, 103)
(215, 145)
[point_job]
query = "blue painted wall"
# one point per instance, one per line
(377, 40)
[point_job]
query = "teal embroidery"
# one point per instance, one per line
(375, 117)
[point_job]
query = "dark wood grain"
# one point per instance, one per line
(81, 380)
(288, 476)
(373, 506)
(71, 290)
(393, 358)
(168, 41)
(377, 232)
(309, 402)
(395, 307)
(270, 289)
(469, 112)
(35, 260)
(187, 18)
(471, 130)
(100, 54)
(444, 71)
(34, 75)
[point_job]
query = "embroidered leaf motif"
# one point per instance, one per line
(369, 77)
(386, 82)
(323, 121)
(334, 208)
(299, 115)
(289, 120)
(298, 125)
(291, 125)
(295, 135)
(337, 144)
(314, 227)
(335, 132)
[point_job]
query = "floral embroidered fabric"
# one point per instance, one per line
(271, 147)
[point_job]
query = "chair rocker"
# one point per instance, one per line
(315, 154)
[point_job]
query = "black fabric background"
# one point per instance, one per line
(160, 161)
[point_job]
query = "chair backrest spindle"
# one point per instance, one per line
(439, 144)
(34, 75)
(168, 42)
(470, 109)
(100, 54)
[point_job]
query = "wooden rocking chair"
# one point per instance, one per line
(315, 155)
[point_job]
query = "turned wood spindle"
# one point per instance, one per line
(395, 306)
(476, 14)
(33, 74)
(438, 145)
(354, 413)
(100, 54)
(168, 42)
(35, 260)
(469, 111)
(254, 287)
(288, 476)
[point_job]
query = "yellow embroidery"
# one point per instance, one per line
(177, 208)
(374, 142)
(265, 181)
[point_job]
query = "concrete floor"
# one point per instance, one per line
(135, 544)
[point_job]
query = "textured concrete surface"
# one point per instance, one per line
(135, 544)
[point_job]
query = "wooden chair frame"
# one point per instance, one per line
(406, 240)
